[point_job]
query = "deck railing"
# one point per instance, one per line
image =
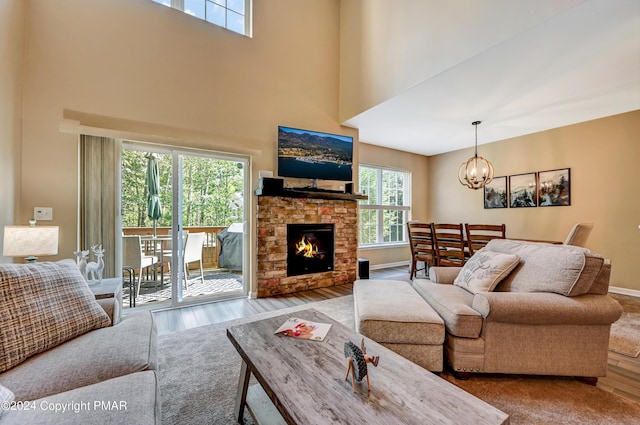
(210, 249)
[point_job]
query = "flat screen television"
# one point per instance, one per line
(314, 155)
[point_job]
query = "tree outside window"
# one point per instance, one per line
(211, 189)
(383, 216)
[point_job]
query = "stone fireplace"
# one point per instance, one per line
(324, 218)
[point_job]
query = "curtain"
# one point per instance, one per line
(99, 202)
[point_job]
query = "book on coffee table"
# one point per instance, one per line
(304, 329)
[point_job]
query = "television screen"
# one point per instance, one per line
(314, 155)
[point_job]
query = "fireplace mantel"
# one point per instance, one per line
(312, 194)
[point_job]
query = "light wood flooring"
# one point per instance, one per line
(623, 375)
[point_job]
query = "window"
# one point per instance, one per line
(234, 15)
(383, 216)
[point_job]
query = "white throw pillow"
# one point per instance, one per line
(6, 397)
(484, 270)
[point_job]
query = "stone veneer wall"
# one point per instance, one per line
(274, 213)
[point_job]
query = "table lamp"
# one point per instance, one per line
(30, 241)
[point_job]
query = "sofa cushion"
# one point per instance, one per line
(592, 267)
(390, 311)
(43, 305)
(128, 347)
(6, 395)
(485, 269)
(543, 267)
(453, 305)
(129, 399)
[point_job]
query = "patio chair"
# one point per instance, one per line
(167, 250)
(193, 252)
(134, 259)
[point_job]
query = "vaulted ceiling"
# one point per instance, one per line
(577, 61)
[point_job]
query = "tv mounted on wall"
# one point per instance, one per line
(314, 155)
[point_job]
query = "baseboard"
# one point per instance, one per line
(389, 265)
(624, 291)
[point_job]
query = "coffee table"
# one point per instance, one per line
(305, 380)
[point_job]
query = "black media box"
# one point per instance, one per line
(270, 185)
(348, 188)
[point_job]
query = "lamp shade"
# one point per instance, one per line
(23, 241)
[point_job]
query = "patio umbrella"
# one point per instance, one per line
(154, 209)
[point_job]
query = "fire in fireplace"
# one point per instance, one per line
(310, 248)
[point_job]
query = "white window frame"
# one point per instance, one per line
(381, 208)
(248, 9)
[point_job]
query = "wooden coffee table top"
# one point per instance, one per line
(305, 380)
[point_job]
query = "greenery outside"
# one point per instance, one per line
(212, 191)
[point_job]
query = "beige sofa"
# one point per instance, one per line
(98, 374)
(525, 308)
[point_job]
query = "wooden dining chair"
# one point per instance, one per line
(449, 243)
(478, 235)
(422, 247)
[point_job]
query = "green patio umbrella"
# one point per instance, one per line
(154, 209)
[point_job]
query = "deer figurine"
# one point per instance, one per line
(357, 359)
(95, 268)
(82, 264)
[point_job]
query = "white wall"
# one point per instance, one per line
(137, 67)
(603, 156)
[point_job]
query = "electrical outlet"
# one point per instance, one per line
(43, 213)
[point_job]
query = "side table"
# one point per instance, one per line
(108, 293)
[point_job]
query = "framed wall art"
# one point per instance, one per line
(554, 188)
(495, 193)
(522, 190)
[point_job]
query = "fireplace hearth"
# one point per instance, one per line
(310, 248)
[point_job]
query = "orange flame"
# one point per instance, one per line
(306, 248)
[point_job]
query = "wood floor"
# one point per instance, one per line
(623, 375)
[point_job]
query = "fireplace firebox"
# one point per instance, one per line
(310, 248)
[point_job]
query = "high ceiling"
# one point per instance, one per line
(578, 63)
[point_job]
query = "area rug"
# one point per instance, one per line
(199, 370)
(625, 332)
(213, 284)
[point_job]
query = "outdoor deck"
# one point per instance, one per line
(216, 282)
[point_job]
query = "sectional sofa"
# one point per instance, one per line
(515, 307)
(62, 357)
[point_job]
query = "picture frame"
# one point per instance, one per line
(522, 191)
(495, 193)
(554, 188)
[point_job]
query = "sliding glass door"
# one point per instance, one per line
(197, 241)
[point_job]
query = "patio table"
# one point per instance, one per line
(147, 239)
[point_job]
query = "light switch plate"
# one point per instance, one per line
(43, 213)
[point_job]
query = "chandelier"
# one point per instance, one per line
(477, 171)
